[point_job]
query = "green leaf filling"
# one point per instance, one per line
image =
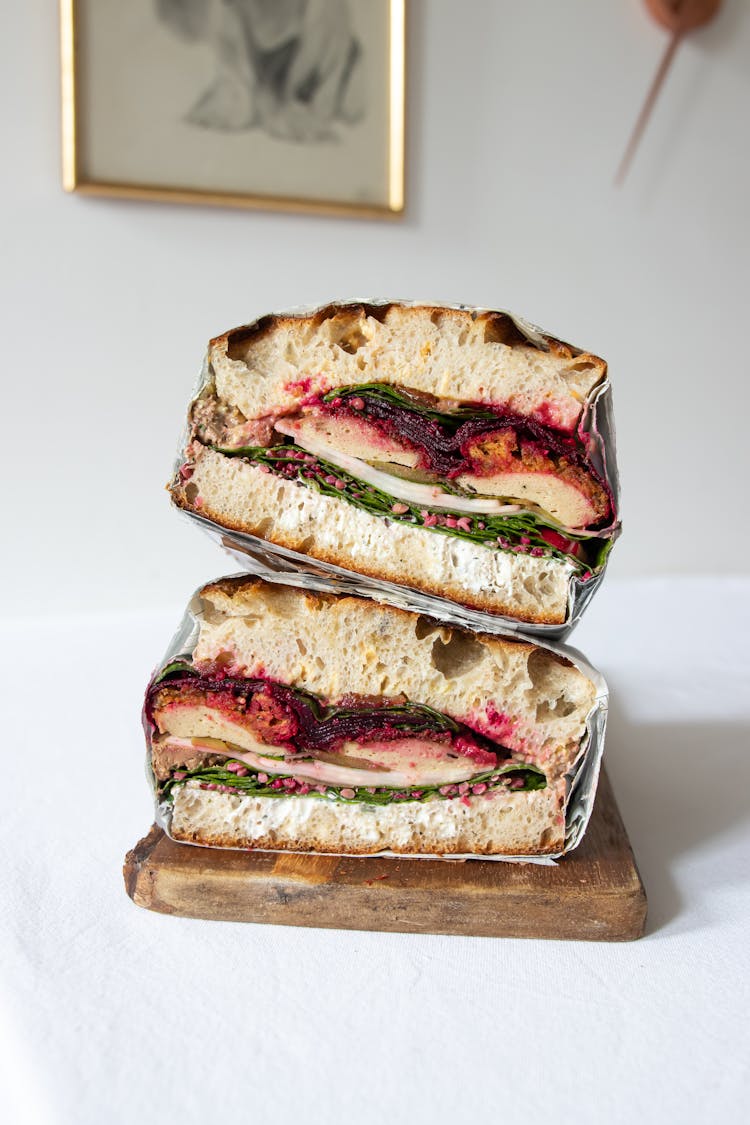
(532, 778)
(451, 420)
(175, 668)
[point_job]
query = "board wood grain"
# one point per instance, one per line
(594, 894)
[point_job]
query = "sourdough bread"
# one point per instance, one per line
(239, 496)
(459, 354)
(531, 699)
(515, 824)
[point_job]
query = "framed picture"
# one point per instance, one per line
(284, 104)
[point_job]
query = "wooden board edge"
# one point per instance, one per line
(608, 917)
(135, 861)
(278, 898)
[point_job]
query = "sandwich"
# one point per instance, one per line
(326, 723)
(452, 451)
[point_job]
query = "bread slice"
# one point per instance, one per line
(511, 824)
(238, 496)
(533, 699)
(526, 698)
(463, 354)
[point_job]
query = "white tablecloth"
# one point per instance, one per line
(111, 1014)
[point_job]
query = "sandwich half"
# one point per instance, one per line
(327, 723)
(453, 451)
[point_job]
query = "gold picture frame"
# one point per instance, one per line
(90, 176)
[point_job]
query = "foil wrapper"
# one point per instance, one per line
(581, 780)
(258, 556)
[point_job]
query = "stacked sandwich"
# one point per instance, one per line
(409, 489)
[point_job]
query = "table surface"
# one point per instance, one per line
(109, 1013)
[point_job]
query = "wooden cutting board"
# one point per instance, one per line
(594, 894)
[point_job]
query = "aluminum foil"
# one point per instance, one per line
(261, 557)
(581, 781)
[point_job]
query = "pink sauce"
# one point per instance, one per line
(309, 389)
(492, 724)
(300, 385)
(550, 414)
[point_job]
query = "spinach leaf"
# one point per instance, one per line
(224, 779)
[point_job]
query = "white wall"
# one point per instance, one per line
(518, 115)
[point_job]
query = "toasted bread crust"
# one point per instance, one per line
(501, 327)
